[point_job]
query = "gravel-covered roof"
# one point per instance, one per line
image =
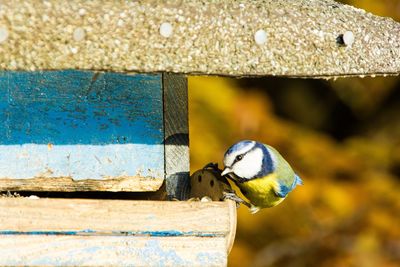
(299, 38)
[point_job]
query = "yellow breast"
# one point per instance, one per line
(261, 191)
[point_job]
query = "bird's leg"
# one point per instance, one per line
(232, 196)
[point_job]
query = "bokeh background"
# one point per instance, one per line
(342, 137)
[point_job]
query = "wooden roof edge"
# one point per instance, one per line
(309, 39)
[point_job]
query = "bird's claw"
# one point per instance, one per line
(232, 196)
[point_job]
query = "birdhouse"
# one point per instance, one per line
(93, 100)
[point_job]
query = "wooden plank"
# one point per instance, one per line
(115, 232)
(67, 184)
(111, 251)
(176, 135)
(106, 216)
(65, 130)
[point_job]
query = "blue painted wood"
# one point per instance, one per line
(80, 124)
(112, 251)
(88, 232)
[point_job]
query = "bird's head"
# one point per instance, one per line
(247, 160)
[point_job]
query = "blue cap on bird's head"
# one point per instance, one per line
(240, 146)
(247, 160)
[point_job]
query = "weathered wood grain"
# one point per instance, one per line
(61, 184)
(115, 232)
(112, 251)
(114, 216)
(176, 135)
(81, 127)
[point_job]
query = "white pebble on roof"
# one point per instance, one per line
(3, 34)
(260, 37)
(166, 29)
(79, 34)
(348, 38)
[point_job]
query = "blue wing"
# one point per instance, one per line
(284, 190)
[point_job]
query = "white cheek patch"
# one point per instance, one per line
(250, 165)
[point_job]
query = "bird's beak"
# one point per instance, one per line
(226, 171)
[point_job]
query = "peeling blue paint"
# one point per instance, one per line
(214, 258)
(168, 233)
(80, 107)
(163, 233)
(109, 251)
(81, 124)
(40, 232)
(160, 256)
(171, 233)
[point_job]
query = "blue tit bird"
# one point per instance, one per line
(263, 176)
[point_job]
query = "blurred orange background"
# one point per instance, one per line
(342, 137)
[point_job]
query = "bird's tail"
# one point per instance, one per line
(298, 180)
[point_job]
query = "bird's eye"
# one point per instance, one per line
(239, 157)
